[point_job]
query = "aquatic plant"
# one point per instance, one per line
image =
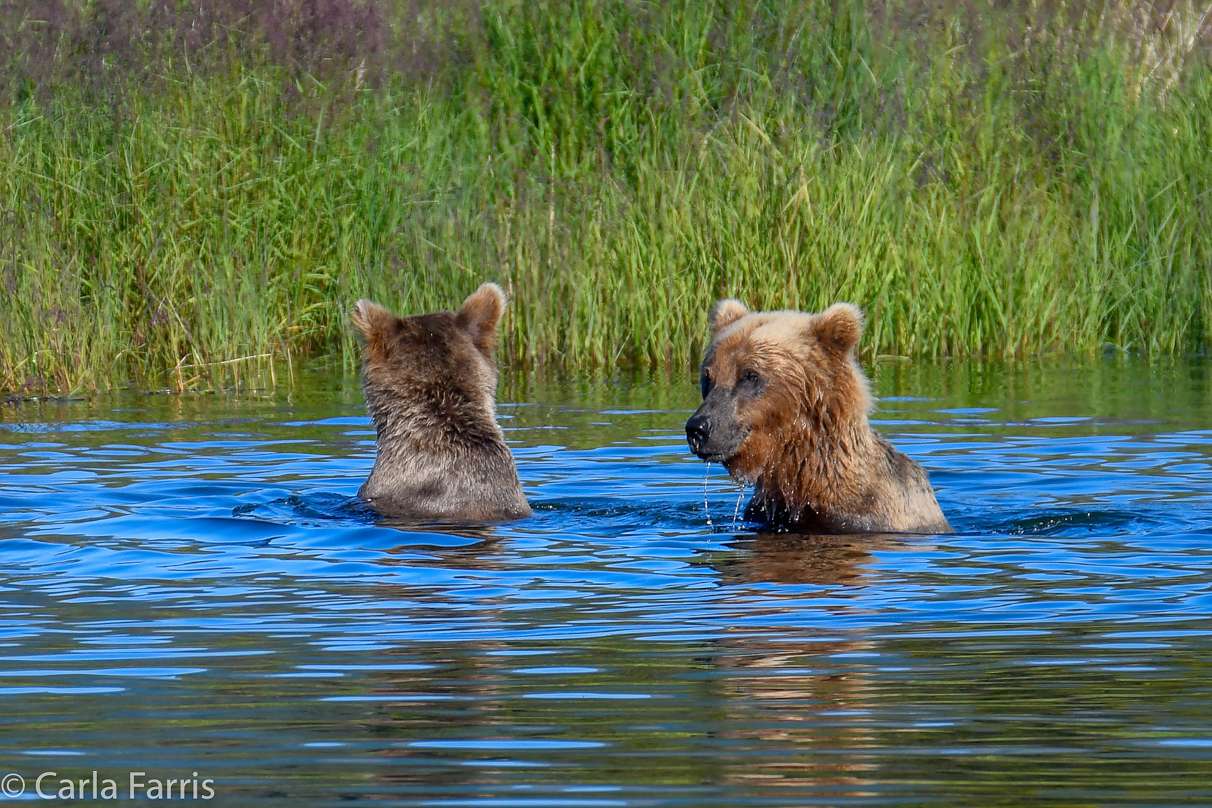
(190, 193)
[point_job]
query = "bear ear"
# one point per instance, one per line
(479, 315)
(725, 313)
(370, 318)
(838, 327)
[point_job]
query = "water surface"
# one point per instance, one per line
(189, 584)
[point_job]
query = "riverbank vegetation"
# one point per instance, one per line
(194, 190)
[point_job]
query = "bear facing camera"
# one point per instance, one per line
(430, 382)
(785, 409)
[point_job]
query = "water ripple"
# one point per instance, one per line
(193, 585)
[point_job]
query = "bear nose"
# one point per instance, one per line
(698, 429)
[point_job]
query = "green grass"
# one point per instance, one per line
(978, 187)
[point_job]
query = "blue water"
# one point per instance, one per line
(190, 590)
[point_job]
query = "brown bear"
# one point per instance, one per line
(785, 409)
(430, 382)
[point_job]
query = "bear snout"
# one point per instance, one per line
(698, 432)
(714, 432)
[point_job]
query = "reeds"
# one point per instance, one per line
(984, 179)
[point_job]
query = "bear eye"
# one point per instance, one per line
(704, 384)
(750, 377)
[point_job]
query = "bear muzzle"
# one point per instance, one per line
(713, 437)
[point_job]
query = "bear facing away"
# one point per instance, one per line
(785, 409)
(430, 382)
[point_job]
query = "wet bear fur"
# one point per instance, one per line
(430, 382)
(785, 409)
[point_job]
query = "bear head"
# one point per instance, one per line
(432, 375)
(775, 384)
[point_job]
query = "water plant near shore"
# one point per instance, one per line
(190, 191)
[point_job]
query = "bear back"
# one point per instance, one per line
(430, 385)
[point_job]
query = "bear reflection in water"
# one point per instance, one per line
(785, 409)
(430, 382)
(752, 706)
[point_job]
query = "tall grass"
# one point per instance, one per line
(983, 178)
